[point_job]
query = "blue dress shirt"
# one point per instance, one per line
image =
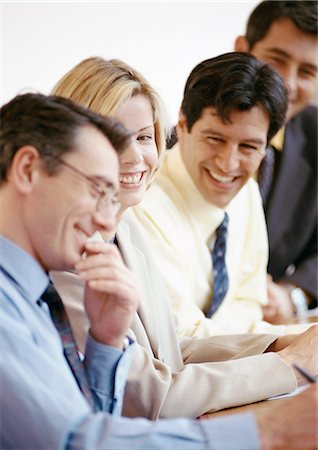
(41, 404)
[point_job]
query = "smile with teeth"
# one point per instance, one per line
(221, 179)
(131, 179)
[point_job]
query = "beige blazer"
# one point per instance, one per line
(172, 376)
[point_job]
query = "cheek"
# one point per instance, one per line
(308, 89)
(151, 158)
(50, 220)
(41, 230)
(56, 213)
(250, 164)
(253, 165)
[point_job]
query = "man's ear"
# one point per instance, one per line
(241, 44)
(182, 123)
(25, 168)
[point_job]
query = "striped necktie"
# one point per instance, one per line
(220, 275)
(62, 324)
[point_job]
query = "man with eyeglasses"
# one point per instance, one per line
(103, 191)
(50, 207)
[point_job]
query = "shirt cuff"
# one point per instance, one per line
(233, 432)
(107, 368)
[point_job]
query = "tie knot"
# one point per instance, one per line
(50, 295)
(54, 302)
(222, 228)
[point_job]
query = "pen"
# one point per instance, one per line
(309, 377)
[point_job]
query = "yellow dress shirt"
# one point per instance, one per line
(180, 226)
(278, 140)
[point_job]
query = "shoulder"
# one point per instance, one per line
(133, 235)
(161, 218)
(305, 125)
(248, 196)
(8, 289)
(306, 121)
(160, 205)
(308, 114)
(246, 210)
(130, 232)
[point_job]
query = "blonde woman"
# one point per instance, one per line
(169, 377)
(106, 87)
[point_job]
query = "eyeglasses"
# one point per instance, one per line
(105, 198)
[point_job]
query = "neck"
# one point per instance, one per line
(11, 222)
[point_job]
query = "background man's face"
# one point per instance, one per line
(221, 157)
(294, 55)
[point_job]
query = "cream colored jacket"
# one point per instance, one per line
(173, 376)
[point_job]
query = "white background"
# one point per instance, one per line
(41, 41)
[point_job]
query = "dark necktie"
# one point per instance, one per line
(266, 173)
(220, 275)
(62, 324)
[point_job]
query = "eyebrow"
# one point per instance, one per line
(209, 131)
(144, 128)
(283, 53)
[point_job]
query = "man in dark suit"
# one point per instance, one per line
(284, 34)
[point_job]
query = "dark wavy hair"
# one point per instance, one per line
(303, 13)
(235, 82)
(50, 124)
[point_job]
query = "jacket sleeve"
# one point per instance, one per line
(153, 390)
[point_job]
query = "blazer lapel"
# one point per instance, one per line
(293, 172)
(146, 331)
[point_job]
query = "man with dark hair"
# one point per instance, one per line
(284, 34)
(56, 121)
(48, 214)
(205, 197)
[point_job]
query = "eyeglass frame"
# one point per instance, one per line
(104, 199)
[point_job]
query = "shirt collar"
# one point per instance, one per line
(278, 139)
(206, 217)
(23, 269)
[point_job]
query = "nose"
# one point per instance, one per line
(132, 155)
(290, 77)
(105, 219)
(228, 158)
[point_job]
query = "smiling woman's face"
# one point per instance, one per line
(139, 161)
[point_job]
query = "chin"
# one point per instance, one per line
(72, 259)
(133, 200)
(293, 111)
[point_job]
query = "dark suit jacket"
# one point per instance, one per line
(291, 209)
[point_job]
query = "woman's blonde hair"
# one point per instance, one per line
(104, 85)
